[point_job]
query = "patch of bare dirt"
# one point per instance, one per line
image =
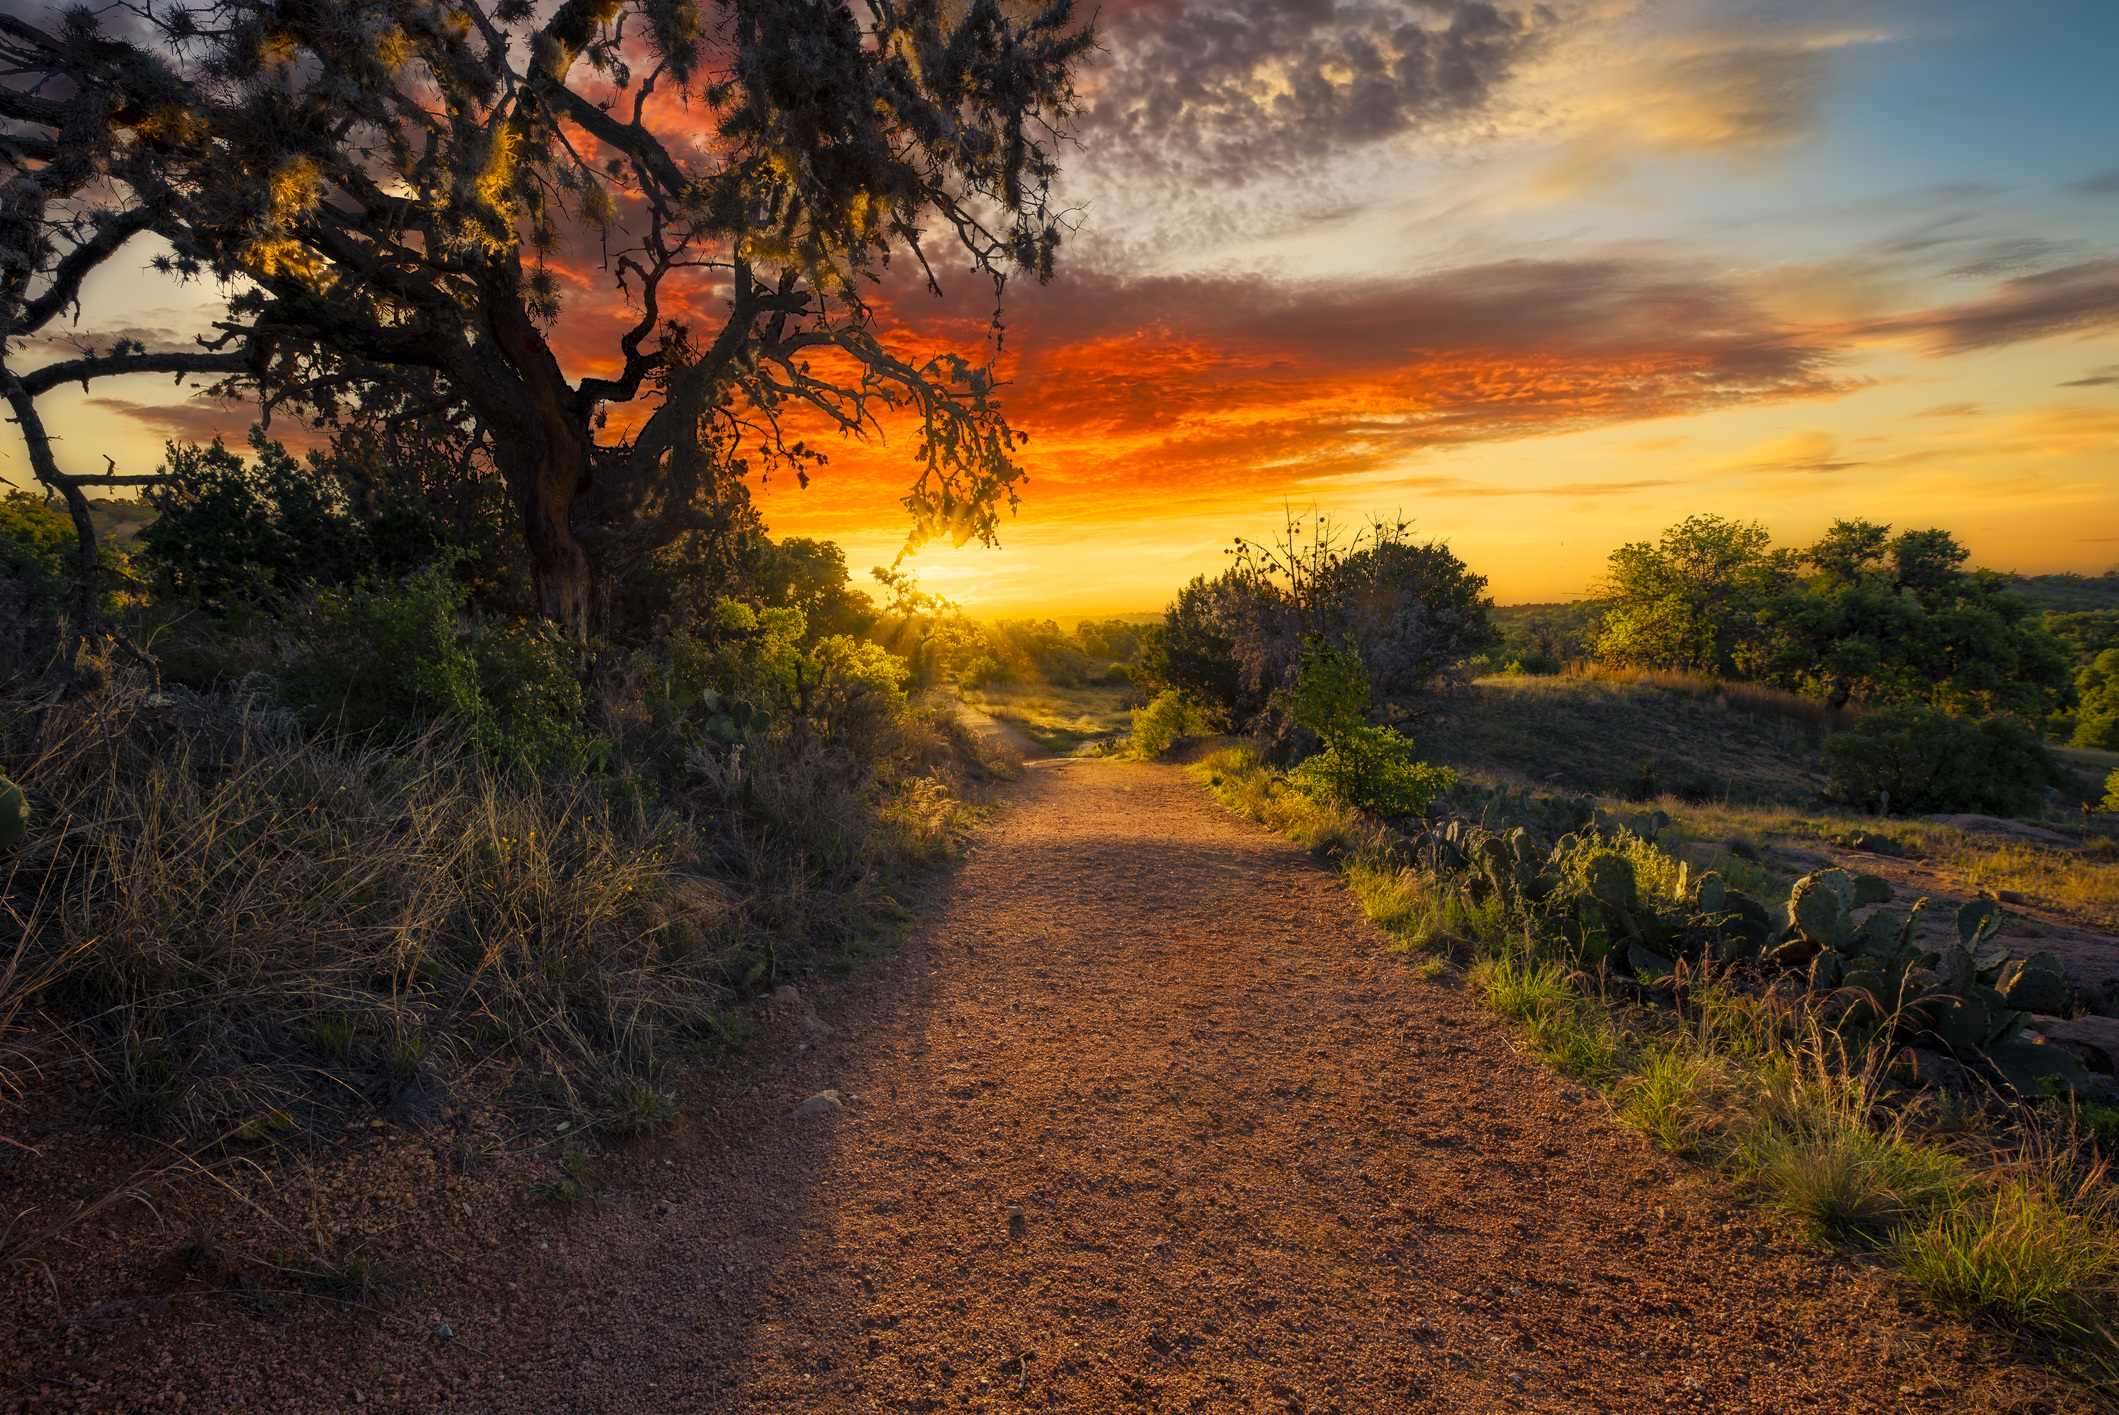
(1144, 1116)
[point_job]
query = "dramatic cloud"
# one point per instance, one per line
(1184, 391)
(1219, 91)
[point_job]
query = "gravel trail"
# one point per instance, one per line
(1145, 1116)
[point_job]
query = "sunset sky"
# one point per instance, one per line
(1541, 279)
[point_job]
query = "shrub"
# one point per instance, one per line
(1169, 717)
(1369, 768)
(1118, 675)
(2097, 725)
(1928, 760)
(1372, 769)
(2111, 793)
(384, 657)
(981, 671)
(1412, 611)
(392, 658)
(227, 530)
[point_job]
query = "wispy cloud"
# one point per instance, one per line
(2072, 299)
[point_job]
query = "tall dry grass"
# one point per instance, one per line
(247, 929)
(1750, 698)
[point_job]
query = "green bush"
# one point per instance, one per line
(1372, 768)
(2097, 724)
(1929, 760)
(1169, 717)
(2111, 793)
(228, 531)
(1369, 768)
(393, 658)
(981, 671)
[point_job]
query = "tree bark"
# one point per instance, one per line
(542, 446)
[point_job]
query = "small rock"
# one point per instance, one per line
(822, 1103)
(1015, 1211)
(1995, 825)
(2009, 896)
(2094, 1039)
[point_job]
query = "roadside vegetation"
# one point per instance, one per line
(1656, 866)
(331, 829)
(1995, 1204)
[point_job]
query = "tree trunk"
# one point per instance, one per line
(542, 444)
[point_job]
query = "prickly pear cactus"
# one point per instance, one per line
(2037, 984)
(1978, 921)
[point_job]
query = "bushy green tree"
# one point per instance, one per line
(229, 530)
(2097, 720)
(384, 189)
(1187, 654)
(1108, 638)
(1888, 619)
(1033, 650)
(810, 575)
(1860, 615)
(1927, 759)
(1691, 601)
(2085, 633)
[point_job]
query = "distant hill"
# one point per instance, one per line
(120, 521)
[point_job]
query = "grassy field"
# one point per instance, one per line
(1696, 740)
(1740, 772)
(1572, 734)
(1060, 718)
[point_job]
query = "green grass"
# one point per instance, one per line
(2023, 1257)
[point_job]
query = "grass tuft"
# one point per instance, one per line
(2020, 1256)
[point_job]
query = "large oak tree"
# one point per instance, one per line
(389, 188)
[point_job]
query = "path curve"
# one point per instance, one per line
(1146, 1117)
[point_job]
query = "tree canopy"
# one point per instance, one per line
(1861, 614)
(389, 189)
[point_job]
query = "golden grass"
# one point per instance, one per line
(240, 925)
(1059, 718)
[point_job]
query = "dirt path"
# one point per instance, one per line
(1144, 1117)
